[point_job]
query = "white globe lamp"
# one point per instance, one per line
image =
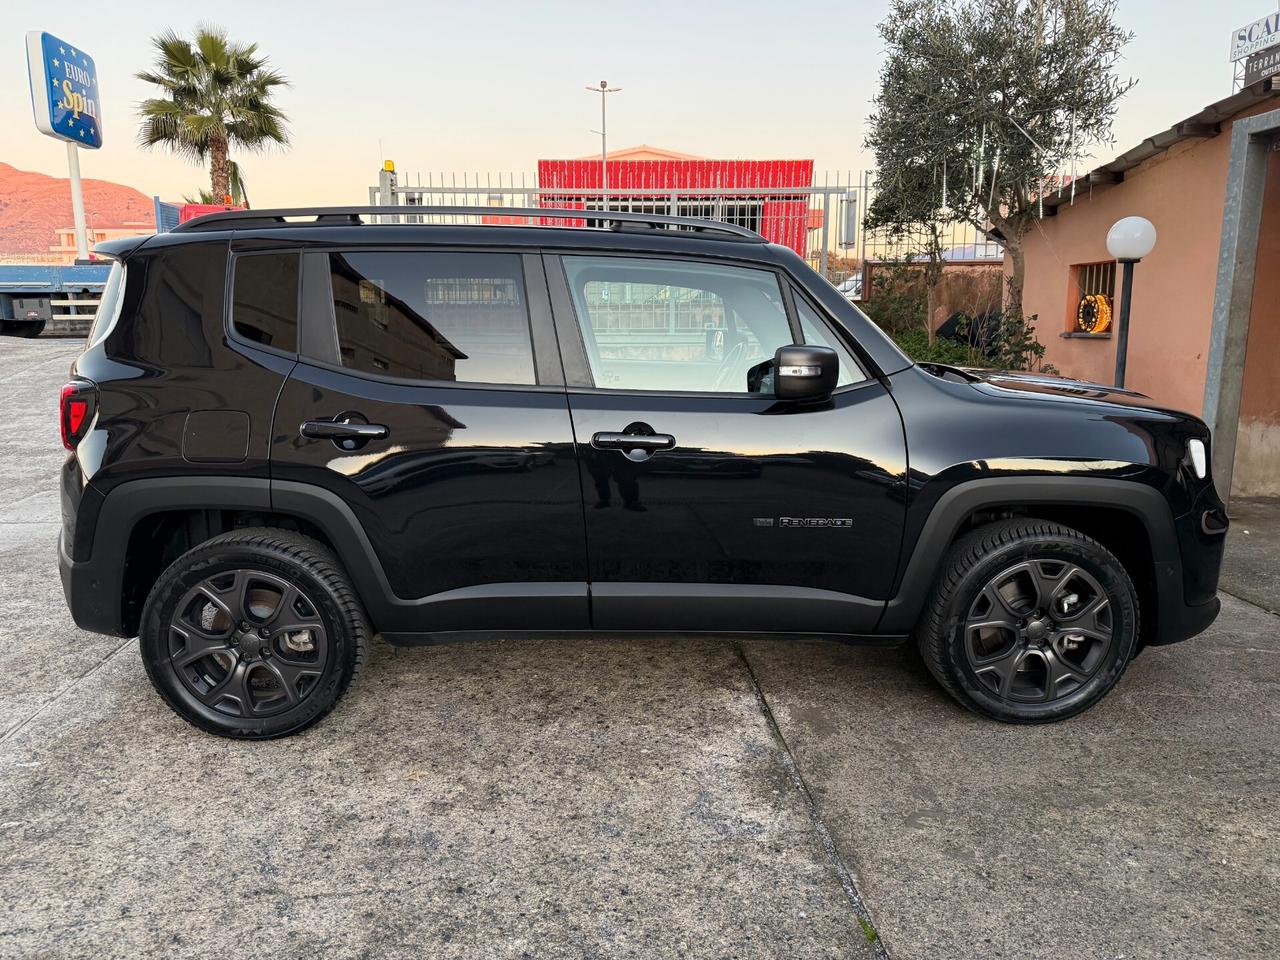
(1128, 240)
(1131, 238)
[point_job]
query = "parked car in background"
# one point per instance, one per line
(851, 287)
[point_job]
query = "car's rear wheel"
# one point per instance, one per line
(1030, 622)
(253, 634)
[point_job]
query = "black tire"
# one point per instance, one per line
(987, 640)
(31, 329)
(280, 637)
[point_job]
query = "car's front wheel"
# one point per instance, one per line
(253, 634)
(1030, 622)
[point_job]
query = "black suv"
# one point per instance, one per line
(287, 435)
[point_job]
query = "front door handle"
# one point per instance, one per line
(631, 441)
(338, 430)
(634, 446)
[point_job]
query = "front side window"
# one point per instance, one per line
(423, 315)
(817, 333)
(264, 305)
(676, 326)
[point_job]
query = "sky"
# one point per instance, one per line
(493, 86)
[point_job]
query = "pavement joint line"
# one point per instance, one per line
(834, 858)
(65, 691)
(1252, 603)
(26, 371)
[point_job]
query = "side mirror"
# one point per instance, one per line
(805, 373)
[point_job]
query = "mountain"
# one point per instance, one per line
(33, 206)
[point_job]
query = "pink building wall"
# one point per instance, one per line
(1181, 191)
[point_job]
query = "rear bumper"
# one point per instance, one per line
(94, 600)
(1182, 621)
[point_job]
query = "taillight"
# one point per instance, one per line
(75, 411)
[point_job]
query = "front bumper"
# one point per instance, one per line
(1187, 592)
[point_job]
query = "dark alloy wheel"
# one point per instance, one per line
(247, 643)
(253, 634)
(1031, 622)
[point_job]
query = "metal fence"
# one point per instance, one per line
(820, 221)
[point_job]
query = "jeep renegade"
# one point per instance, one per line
(292, 430)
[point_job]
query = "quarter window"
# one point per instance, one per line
(265, 299)
(433, 316)
(817, 332)
(676, 326)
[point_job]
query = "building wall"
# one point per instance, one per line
(1181, 192)
(66, 251)
(1257, 466)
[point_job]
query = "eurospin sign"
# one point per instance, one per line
(64, 90)
(65, 99)
(1255, 36)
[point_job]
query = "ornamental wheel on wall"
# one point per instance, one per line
(1093, 315)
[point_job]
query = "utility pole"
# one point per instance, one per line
(604, 90)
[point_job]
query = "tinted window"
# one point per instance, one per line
(817, 332)
(673, 325)
(433, 316)
(265, 299)
(174, 303)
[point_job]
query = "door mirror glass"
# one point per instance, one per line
(805, 373)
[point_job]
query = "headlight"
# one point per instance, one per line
(1195, 453)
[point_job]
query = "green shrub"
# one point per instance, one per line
(899, 305)
(915, 344)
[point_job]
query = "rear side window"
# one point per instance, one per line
(264, 305)
(108, 306)
(423, 315)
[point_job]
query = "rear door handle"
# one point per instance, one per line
(342, 430)
(649, 443)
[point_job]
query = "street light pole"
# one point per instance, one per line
(1129, 240)
(1122, 328)
(604, 90)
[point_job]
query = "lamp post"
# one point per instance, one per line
(1128, 240)
(604, 90)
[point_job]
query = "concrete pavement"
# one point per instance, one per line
(617, 798)
(1251, 569)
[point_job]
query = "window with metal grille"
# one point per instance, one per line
(1093, 306)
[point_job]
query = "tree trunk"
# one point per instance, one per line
(219, 170)
(932, 277)
(1016, 278)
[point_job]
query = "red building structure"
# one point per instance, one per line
(751, 193)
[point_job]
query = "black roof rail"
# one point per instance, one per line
(328, 216)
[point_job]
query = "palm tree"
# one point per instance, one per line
(216, 94)
(236, 192)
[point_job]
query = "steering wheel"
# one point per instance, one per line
(728, 365)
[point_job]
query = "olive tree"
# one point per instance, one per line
(982, 105)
